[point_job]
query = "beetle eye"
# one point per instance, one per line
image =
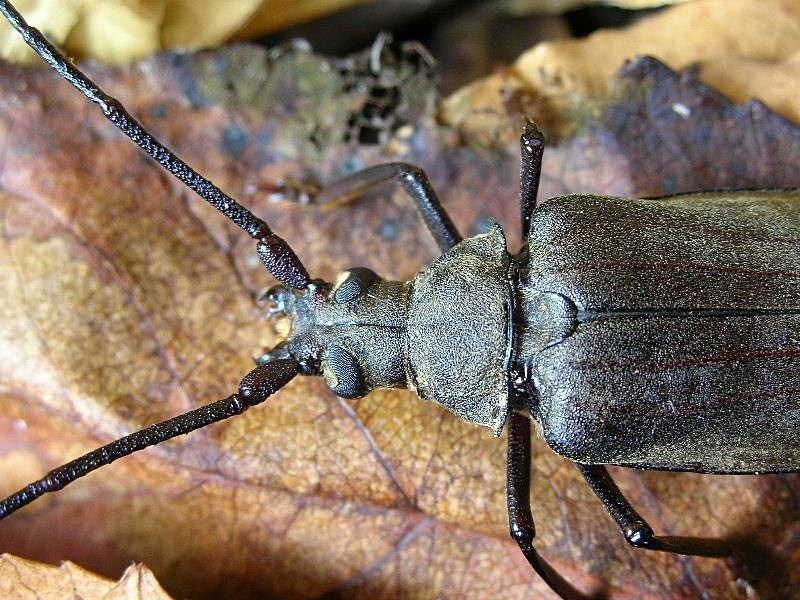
(343, 373)
(351, 284)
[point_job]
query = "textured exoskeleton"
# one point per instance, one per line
(666, 333)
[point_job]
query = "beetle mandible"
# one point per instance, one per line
(667, 339)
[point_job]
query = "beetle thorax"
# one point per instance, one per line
(459, 330)
(445, 334)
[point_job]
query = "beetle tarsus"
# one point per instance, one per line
(636, 530)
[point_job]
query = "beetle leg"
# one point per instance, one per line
(635, 529)
(520, 519)
(531, 150)
(414, 182)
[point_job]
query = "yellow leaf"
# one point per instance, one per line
(191, 24)
(119, 31)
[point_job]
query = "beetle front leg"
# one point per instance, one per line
(520, 519)
(636, 530)
(416, 184)
(531, 152)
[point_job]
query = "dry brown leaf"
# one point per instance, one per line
(125, 300)
(119, 31)
(22, 579)
(760, 37)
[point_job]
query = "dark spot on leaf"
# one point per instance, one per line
(158, 111)
(369, 135)
(389, 230)
(234, 140)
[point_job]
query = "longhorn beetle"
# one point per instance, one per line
(657, 334)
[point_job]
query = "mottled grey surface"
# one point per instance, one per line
(674, 340)
(458, 317)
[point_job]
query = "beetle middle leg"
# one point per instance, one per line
(636, 530)
(520, 519)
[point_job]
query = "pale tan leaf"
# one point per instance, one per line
(558, 77)
(22, 579)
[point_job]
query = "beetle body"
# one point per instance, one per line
(675, 340)
(652, 333)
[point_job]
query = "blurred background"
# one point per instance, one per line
(479, 34)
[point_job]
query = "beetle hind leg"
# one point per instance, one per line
(520, 519)
(636, 530)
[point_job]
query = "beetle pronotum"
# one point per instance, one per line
(667, 339)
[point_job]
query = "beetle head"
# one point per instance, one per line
(351, 332)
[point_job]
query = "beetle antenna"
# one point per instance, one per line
(275, 252)
(257, 386)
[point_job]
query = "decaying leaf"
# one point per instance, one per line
(126, 300)
(742, 46)
(27, 580)
(119, 31)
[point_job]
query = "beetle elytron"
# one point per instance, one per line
(660, 334)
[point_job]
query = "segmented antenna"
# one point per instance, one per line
(257, 386)
(275, 252)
